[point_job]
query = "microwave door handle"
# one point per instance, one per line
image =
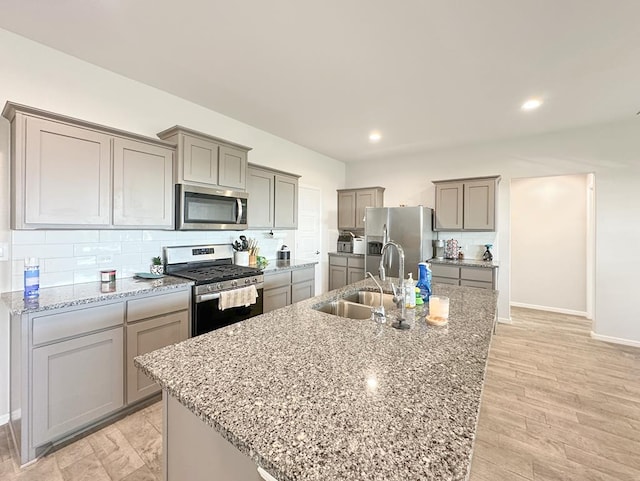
(239, 204)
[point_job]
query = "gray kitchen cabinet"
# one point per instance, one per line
(206, 160)
(287, 287)
(142, 185)
(153, 322)
(72, 174)
(466, 204)
(481, 277)
(345, 270)
(76, 382)
(72, 367)
(273, 199)
(352, 204)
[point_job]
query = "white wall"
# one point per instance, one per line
(44, 78)
(611, 151)
(549, 243)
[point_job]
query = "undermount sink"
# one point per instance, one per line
(357, 305)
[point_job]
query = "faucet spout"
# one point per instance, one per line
(378, 312)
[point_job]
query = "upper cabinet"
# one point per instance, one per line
(71, 174)
(273, 199)
(352, 204)
(207, 161)
(466, 204)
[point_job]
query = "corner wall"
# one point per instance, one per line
(38, 76)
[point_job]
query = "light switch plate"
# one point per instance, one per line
(4, 251)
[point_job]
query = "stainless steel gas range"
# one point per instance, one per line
(212, 269)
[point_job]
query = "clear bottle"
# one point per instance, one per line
(410, 292)
(31, 278)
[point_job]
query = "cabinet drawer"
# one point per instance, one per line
(481, 285)
(338, 261)
(446, 280)
(438, 270)
(75, 323)
(477, 274)
(302, 275)
(357, 262)
(157, 305)
(277, 280)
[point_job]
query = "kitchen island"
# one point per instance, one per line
(307, 395)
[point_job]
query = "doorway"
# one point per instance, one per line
(552, 243)
(309, 235)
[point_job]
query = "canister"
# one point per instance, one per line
(108, 275)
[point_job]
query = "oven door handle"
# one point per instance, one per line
(216, 295)
(239, 204)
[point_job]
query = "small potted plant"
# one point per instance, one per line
(156, 266)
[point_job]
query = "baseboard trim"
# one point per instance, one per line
(559, 310)
(4, 419)
(615, 340)
(505, 320)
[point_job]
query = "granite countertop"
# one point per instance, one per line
(466, 262)
(89, 292)
(313, 396)
(282, 265)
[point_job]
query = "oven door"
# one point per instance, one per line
(201, 208)
(207, 315)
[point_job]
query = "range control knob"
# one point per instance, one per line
(247, 281)
(209, 288)
(234, 283)
(219, 286)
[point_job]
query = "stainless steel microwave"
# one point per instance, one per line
(204, 208)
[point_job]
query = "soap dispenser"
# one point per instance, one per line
(410, 292)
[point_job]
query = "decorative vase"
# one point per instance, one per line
(157, 269)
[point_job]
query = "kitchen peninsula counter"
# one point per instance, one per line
(311, 396)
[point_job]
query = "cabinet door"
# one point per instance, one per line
(337, 276)
(199, 160)
(232, 168)
(449, 206)
(76, 382)
(354, 274)
(302, 290)
(346, 210)
(286, 202)
(479, 205)
(364, 199)
(142, 185)
(147, 336)
(67, 176)
(276, 298)
(260, 186)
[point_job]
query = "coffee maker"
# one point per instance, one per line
(438, 249)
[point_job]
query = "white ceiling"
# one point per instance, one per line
(323, 74)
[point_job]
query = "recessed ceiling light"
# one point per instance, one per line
(375, 136)
(531, 104)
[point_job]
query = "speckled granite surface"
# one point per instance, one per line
(467, 262)
(281, 266)
(312, 396)
(86, 293)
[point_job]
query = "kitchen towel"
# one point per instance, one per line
(238, 297)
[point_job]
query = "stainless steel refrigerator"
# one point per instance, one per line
(411, 227)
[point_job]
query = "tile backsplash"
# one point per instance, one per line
(76, 256)
(472, 243)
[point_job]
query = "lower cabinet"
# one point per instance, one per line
(146, 336)
(345, 270)
(72, 368)
(284, 288)
(481, 277)
(75, 382)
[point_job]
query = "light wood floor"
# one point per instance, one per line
(556, 406)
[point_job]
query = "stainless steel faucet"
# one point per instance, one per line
(399, 293)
